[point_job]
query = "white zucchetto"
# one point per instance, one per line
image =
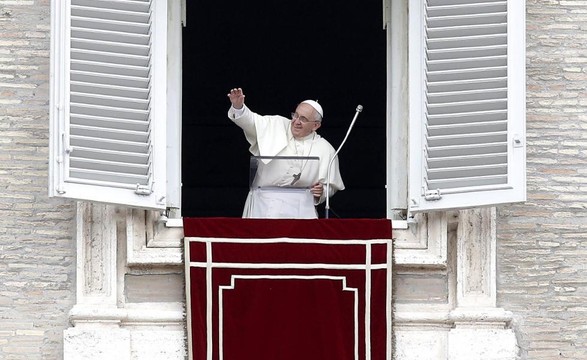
(315, 105)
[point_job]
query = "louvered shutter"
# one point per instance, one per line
(108, 102)
(467, 103)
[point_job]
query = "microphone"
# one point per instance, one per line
(327, 207)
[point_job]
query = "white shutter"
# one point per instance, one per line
(467, 103)
(108, 109)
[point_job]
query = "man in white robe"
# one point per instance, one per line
(296, 137)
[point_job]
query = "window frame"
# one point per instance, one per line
(402, 154)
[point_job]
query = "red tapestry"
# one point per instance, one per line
(288, 289)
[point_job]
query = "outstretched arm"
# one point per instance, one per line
(237, 98)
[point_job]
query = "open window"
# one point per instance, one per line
(281, 53)
(116, 104)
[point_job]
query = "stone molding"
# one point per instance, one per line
(476, 258)
(424, 243)
(149, 241)
(469, 325)
(112, 240)
(109, 240)
(96, 254)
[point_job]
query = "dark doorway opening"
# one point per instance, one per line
(280, 53)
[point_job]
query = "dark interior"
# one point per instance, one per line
(280, 53)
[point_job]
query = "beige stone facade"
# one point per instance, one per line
(37, 249)
(541, 244)
(525, 289)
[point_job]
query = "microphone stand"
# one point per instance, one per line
(327, 207)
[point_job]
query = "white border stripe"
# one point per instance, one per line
(188, 292)
(388, 298)
(209, 340)
(287, 277)
(368, 302)
(286, 240)
(286, 266)
(356, 324)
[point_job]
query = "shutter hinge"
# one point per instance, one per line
(432, 195)
(143, 190)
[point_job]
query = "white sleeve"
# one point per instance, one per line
(235, 113)
(266, 134)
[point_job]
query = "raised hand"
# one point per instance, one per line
(237, 98)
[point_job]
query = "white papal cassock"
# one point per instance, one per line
(271, 136)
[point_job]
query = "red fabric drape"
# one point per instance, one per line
(288, 289)
(294, 228)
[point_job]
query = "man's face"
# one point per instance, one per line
(304, 121)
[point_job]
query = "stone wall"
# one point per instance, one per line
(37, 252)
(542, 244)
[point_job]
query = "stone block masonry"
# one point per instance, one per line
(37, 253)
(542, 244)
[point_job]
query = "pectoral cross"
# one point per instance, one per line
(296, 177)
